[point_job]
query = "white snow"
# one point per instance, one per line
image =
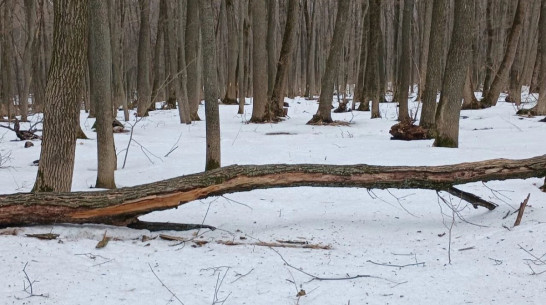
(492, 262)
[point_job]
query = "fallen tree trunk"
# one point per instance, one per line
(123, 206)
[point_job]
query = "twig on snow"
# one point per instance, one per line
(163, 284)
(319, 278)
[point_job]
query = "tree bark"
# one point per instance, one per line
(191, 45)
(372, 81)
(183, 105)
(231, 90)
(272, 20)
(502, 73)
(100, 75)
(458, 60)
(404, 62)
(359, 95)
(540, 108)
(143, 73)
(259, 60)
(30, 11)
(435, 64)
(212, 115)
(324, 112)
(274, 108)
(123, 206)
(62, 104)
(116, 11)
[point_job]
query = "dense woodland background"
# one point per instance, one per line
(62, 56)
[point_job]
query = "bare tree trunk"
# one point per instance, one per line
(373, 57)
(469, 99)
(116, 12)
(143, 75)
(241, 58)
(541, 104)
(124, 206)
(435, 65)
(457, 63)
(310, 22)
(259, 61)
(425, 47)
(61, 111)
(30, 11)
(274, 108)
(231, 90)
(272, 20)
(212, 115)
(100, 74)
(324, 112)
(359, 96)
(183, 105)
(404, 63)
(159, 78)
(8, 89)
(502, 73)
(192, 57)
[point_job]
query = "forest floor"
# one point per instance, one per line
(401, 246)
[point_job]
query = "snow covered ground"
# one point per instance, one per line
(397, 241)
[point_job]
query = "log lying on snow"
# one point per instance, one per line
(123, 206)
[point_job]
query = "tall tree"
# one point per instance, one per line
(272, 19)
(359, 95)
(435, 64)
(183, 105)
(324, 112)
(259, 60)
(100, 76)
(116, 13)
(30, 11)
(511, 47)
(191, 45)
(373, 57)
(231, 90)
(61, 111)
(212, 115)
(404, 62)
(458, 60)
(143, 73)
(8, 89)
(274, 108)
(541, 104)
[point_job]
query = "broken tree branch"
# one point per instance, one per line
(123, 206)
(521, 210)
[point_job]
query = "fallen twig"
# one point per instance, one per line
(44, 236)
(274, 245)
(397, 266)
(163, 284)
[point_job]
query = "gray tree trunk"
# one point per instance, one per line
(116, 11)
(231, 86)
(259, 60)
(512, 42)
(62, 104)
(457, 63)
(212, 115)
(191, 45)
(143, 73)
(541, 104)
(100, 75)
(435, 65)
(274, 108)
(324, 112)
(183, 105)
(404, 63)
